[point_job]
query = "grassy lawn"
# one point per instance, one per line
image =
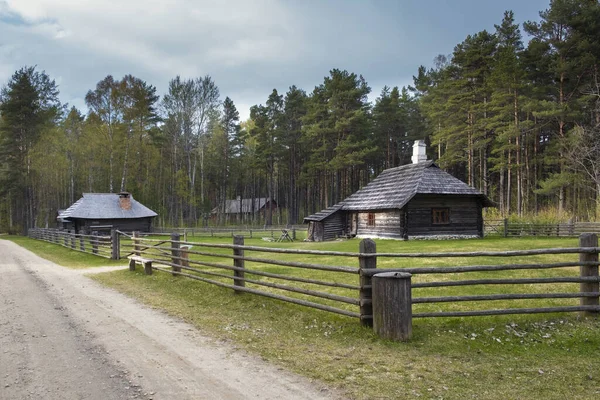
(551, 356)
(61, 255)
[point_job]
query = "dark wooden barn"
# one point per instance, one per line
(105, 211)
(239, 209)
(411, 201)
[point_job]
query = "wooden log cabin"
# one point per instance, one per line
(102, 212)
(417, 200)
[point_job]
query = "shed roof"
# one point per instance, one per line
(321, 215)
(105, 206)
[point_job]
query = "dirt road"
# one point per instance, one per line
(62, 336)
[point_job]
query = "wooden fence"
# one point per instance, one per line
(273, 232)
(383, 298)
(506, 228)
(103, 246)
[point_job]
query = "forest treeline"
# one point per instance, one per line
(518, 119)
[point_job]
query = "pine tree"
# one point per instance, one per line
(29, 105)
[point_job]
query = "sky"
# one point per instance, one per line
(248, 47)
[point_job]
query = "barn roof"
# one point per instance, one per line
(233, 206)
(395, 187)
(105, 206)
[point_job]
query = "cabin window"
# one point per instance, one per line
(371, 219)
(440, 216)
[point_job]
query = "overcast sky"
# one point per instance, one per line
(248, 47)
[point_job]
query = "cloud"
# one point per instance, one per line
(248, 47)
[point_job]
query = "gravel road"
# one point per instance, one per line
(62, 336)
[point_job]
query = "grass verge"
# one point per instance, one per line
(61, 255)
(520, 357)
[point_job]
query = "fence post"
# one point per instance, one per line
(65, 239)
(116, 245)
(136, 249)
(94, 241)
(72, 234)
(367, 246)
(505, 227)
(82, 241)
(239, 263)
(293, 233)
(175, 253)
(392, 305)
(589, 240)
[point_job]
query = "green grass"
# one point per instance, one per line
(552, 356)
(61, 255)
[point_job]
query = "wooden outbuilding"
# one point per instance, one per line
(102, 212)
(237, 209)
(417, 200)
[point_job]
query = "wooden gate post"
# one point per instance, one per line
(94, 241)
(116, 245)
(367, 246)
(239, 263)
(175, 253)
(589, 240)
(392, 305)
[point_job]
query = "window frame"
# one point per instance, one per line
(371, 219)
(440, 216)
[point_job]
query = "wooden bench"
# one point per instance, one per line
(144, 261)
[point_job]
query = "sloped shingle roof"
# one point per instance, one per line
(233, 206)
(105, 206)
(394, 187)
(321, 215)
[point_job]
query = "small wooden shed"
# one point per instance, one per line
(105, 211)
(417, 200)
(236, 209)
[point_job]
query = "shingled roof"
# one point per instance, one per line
(233, 206)
(394, 187)
(105, 206)
(321, 215)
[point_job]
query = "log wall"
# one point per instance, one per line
(465, 215)
(388, 224)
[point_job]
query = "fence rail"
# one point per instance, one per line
(350, 284)
(506, 228)
(203, 265)
(103, 246)
(272, 232)
(205, 262)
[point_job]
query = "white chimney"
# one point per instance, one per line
(419, 152)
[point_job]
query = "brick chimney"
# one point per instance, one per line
(419, 154)
(125, 201)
